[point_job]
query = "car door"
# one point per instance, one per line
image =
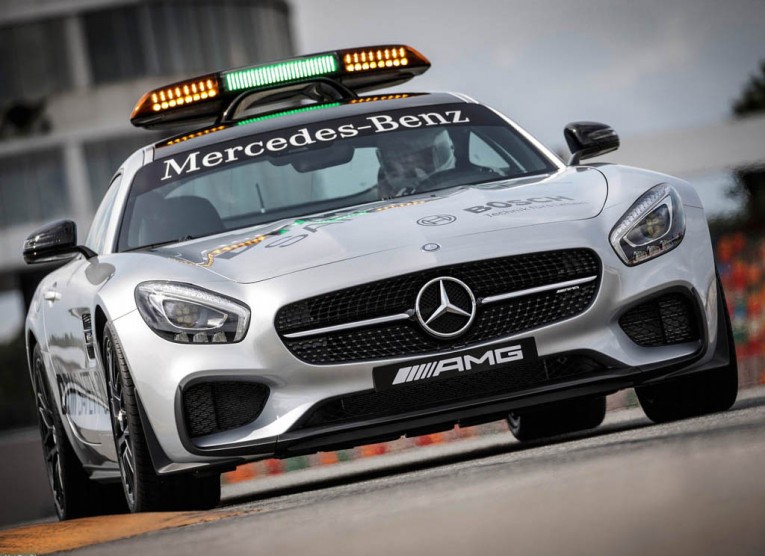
(69, 321)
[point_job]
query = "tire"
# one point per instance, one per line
(144, 489)
(74, 494)
(698, 394)
(558, 418)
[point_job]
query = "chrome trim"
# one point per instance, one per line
(521, 293)
(347, 325)
(407, 316)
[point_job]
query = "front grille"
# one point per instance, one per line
(662, 321)
(211, 407)
(397, 295)
(416, 396)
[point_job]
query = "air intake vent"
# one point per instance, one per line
(211, 407)
(662, 321)
(87, 328)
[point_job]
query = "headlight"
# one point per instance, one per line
(653, 225)
(187, 314)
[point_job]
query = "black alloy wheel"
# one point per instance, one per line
(49, 436)
(145, 490)
(557, 418)
(122, 438)
(700, 393)
(74, 494)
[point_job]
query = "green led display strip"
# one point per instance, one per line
(288, 112)
(283, 72)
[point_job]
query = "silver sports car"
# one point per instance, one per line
(314, 269)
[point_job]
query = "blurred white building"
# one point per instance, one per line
(71, 72)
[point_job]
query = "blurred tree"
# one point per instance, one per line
(751, 181)
(752, 98)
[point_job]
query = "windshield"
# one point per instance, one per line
(324, 166)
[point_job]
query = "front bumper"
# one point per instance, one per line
(161, 368)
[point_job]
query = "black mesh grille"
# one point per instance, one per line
(397, 295)
(412, 397)
(211, 407)
(662, 321)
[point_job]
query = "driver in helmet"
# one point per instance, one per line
(408, 159)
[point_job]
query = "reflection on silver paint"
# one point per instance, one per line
(98, 273)
(83, 393)
(712, 307)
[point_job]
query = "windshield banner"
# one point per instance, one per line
(318, 135)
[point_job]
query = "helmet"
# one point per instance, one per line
(407, 159)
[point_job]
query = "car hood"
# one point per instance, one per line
(288, 246)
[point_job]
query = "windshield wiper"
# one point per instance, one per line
(160, 243)
(260, 198)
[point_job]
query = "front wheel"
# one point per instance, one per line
(74, 494)
(557, 418)
(701, 393)
(145, 490)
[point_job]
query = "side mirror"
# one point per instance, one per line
(588, 140)
(54, 242)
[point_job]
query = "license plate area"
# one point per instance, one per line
(456, 363)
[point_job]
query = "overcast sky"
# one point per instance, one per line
(640, 65)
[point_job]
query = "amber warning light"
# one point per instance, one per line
(375, 59)
(207, 97)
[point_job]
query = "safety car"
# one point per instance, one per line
(315, 266)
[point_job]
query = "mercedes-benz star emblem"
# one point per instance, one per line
(445, 307)
(436, 220)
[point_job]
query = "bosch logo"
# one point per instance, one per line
(445, 307)
(436, 220)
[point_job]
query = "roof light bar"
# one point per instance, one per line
(288, 113)
(363, 60)
(194, 135)
(207, 97)
(282, 72)
(181, 98)
(378, 98)
(184, 93)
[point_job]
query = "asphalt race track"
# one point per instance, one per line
(630, 487)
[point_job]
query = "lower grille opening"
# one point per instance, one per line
(662, 321)
(412, 397)
(211, 407)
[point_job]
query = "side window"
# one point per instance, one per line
(481, 154)
(97, 235)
